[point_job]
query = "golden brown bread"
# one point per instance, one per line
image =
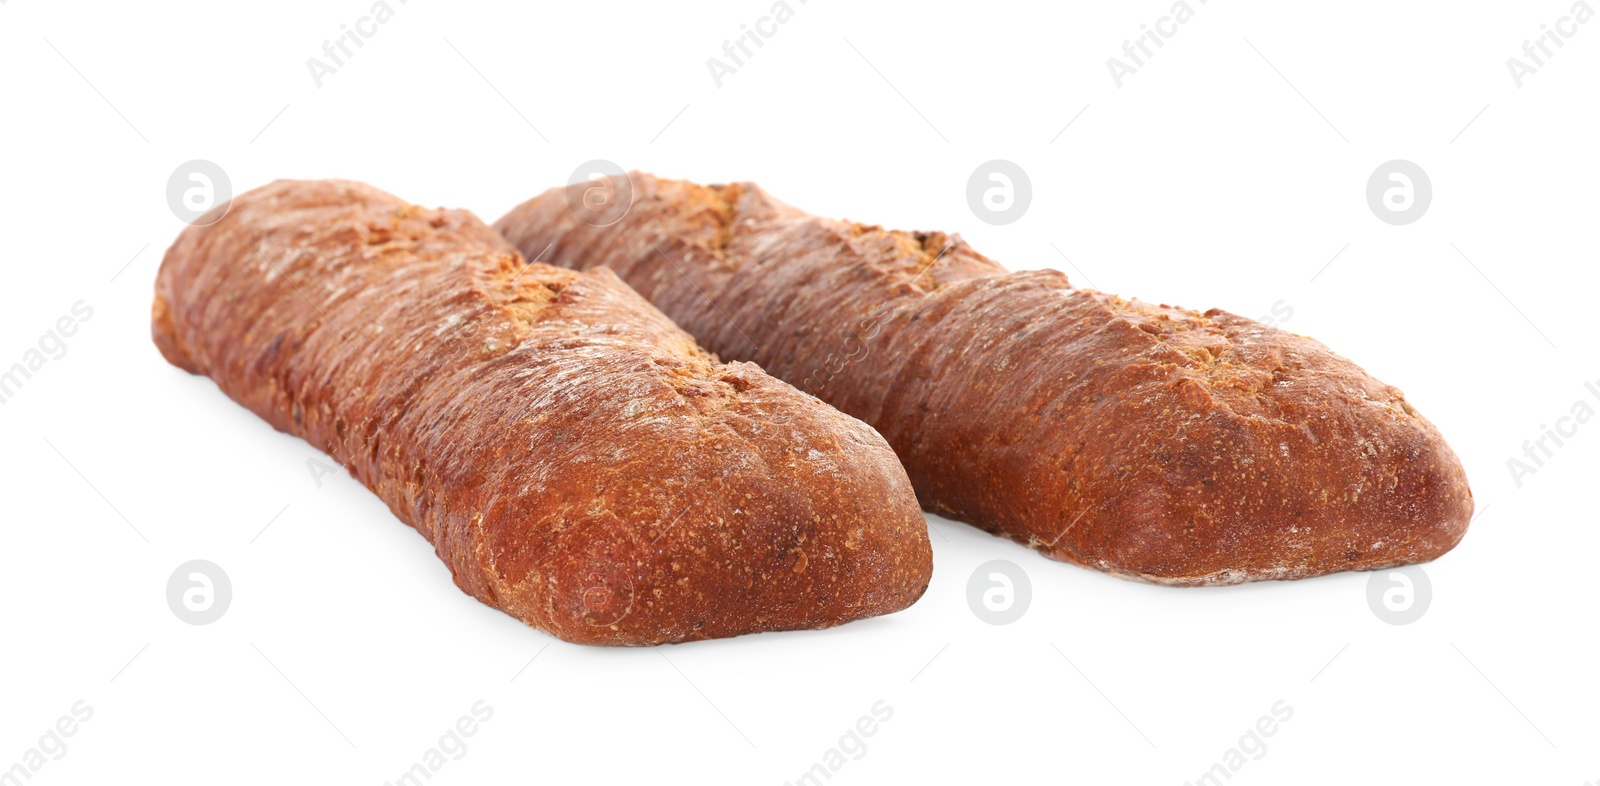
(575, 459)
(1148, 441)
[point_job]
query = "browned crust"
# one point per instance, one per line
(1148, 441)
(576, 460)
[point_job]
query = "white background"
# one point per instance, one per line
(1206, 180)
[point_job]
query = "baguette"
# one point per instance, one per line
(1148, 441)
(575, 459)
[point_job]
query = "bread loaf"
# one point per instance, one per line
(1149, 441)
(574, 458)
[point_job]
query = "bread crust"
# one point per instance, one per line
(575, 458)
(1153, 442)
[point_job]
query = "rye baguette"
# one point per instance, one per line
(1149, 441)
(574, 458)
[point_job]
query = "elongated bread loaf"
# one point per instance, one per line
(1149, 441)
(575, 459)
